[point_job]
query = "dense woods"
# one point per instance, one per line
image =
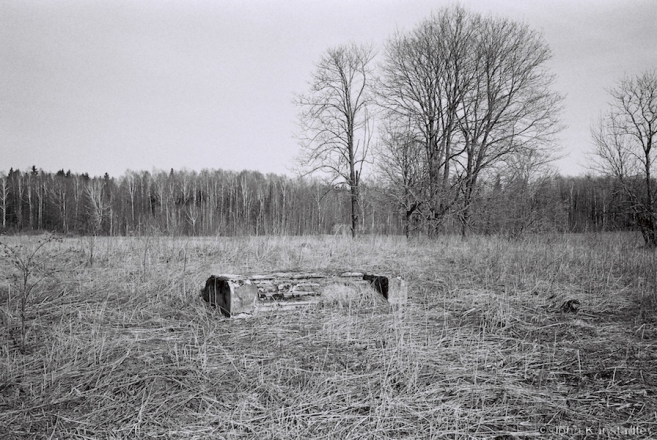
(248, 202)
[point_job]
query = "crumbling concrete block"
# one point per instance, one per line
(232, 294)
(235, 294)
(397, 291)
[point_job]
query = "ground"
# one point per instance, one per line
(119, 344)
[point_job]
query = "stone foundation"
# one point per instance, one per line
(235, 294)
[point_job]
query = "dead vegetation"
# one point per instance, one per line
(126, 348)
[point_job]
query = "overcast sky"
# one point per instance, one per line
(106, 86)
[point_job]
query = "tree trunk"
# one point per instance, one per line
(354, 210)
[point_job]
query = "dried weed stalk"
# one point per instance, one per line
(30, 265)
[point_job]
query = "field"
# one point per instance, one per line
(118, 343)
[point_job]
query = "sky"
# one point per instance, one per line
(109, 86)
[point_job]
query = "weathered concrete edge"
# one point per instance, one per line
(244, 295)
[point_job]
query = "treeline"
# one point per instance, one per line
(217, 202)
(176, 202)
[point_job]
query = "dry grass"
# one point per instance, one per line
(125, 348)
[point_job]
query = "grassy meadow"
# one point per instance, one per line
(118, 343)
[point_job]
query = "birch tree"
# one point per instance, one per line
(4, 198)
(335, 120)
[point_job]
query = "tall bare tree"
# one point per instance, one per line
(4, 198)
(508, 107)
(476, 90)
(99, 205)
(335, 121)
(60, 198)
(423, 80)
(624, 140)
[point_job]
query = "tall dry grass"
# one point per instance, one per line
(123, 347)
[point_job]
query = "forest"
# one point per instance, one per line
(229, 203)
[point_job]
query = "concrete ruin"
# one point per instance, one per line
(236, 294)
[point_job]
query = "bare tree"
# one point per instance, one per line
(4, 197)
(508, 107)
(130, 179)
(98, 204)
(402, 171)
(61, 199)
(624, 140)
(424, 76)
(16, 183)
(475, 90)
(335, 121)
